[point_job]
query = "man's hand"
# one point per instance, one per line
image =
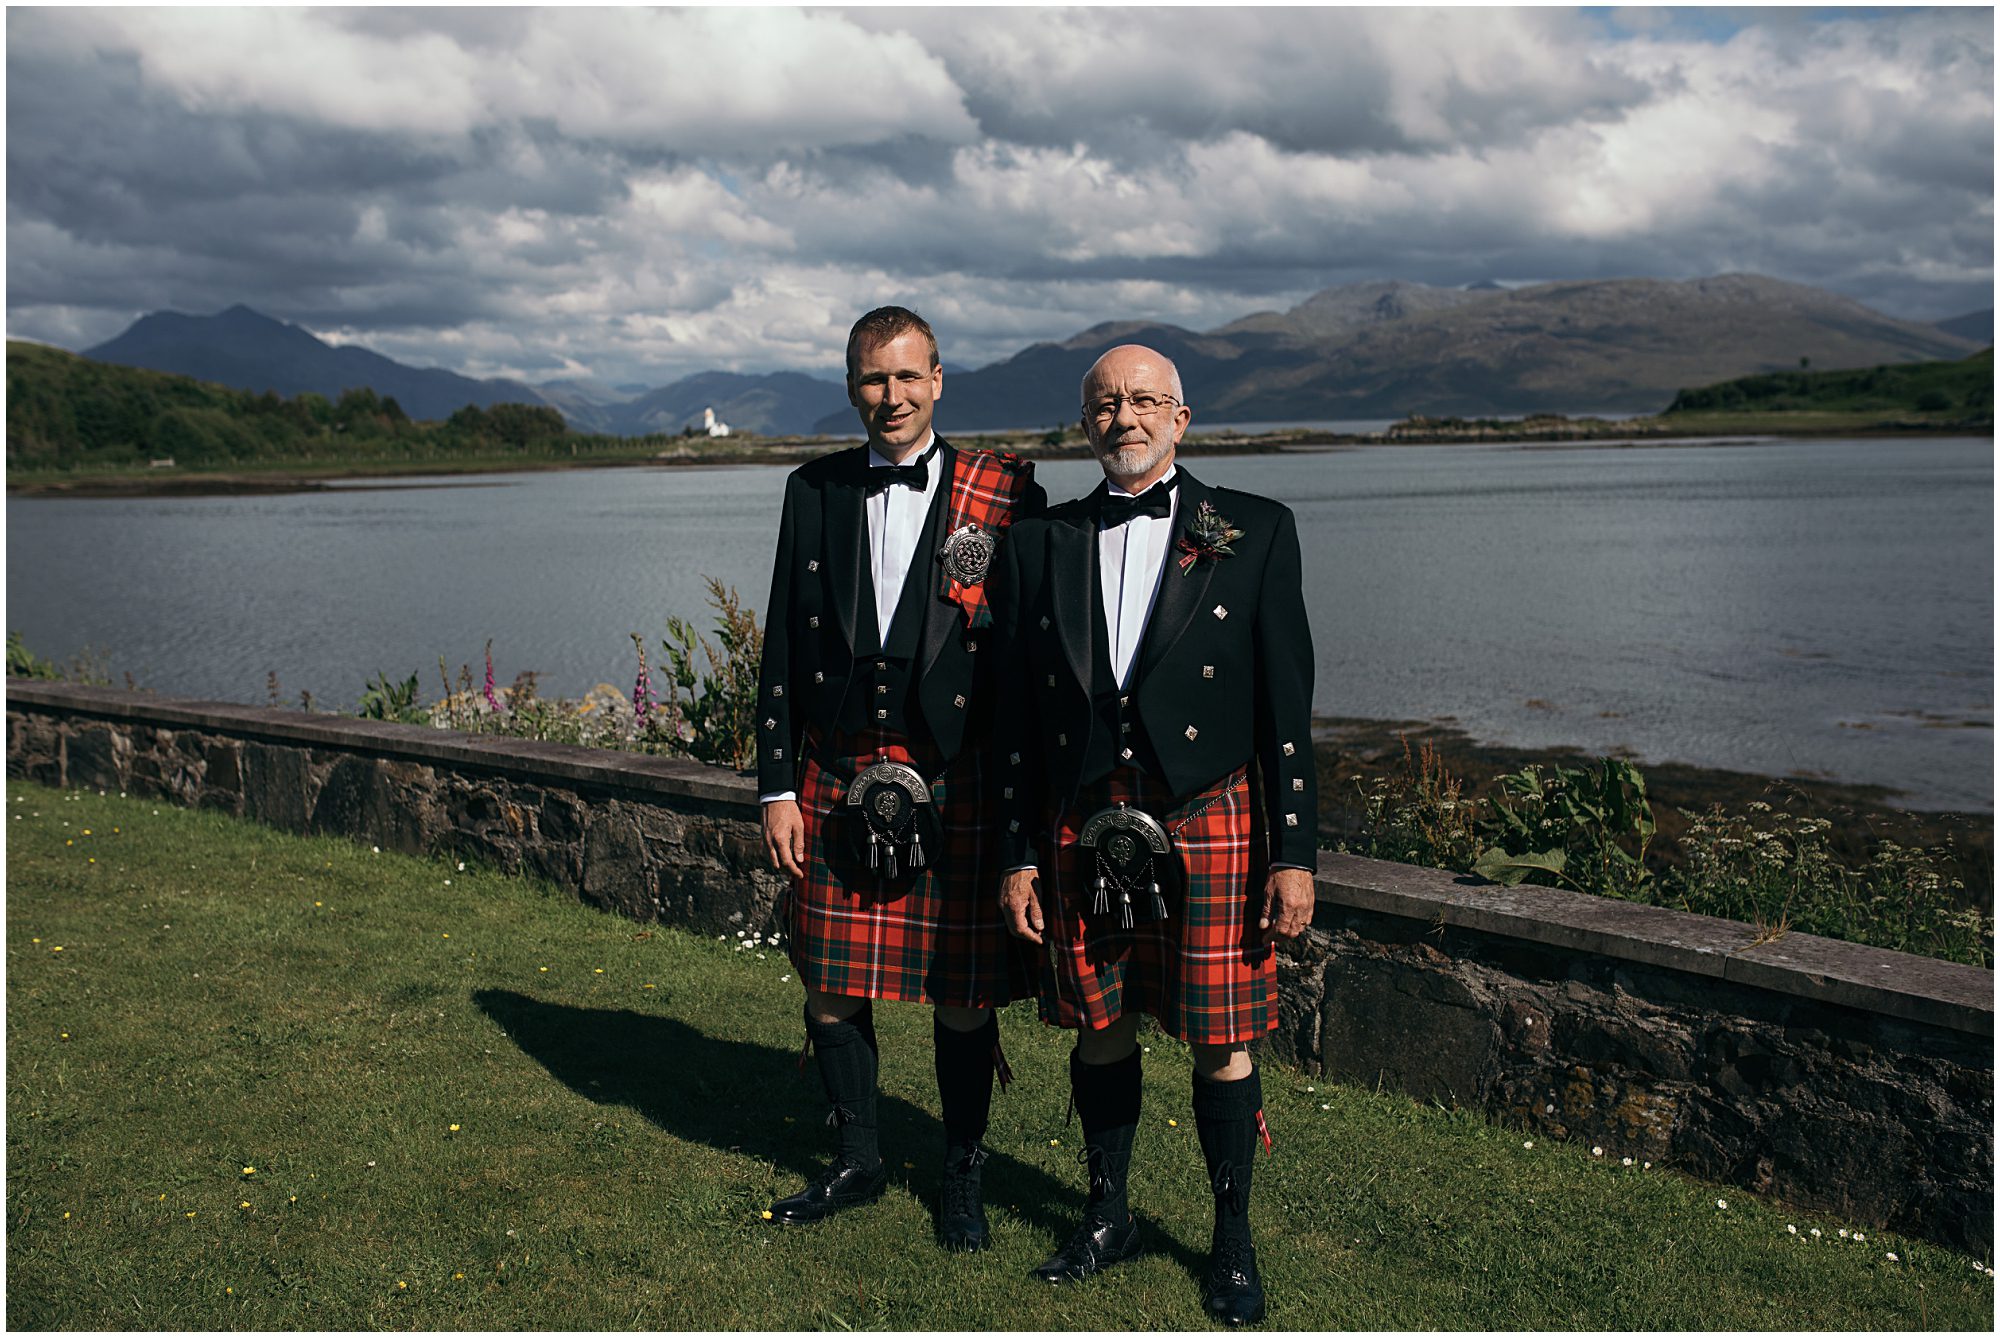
(785, 837)
(1288, 904)
(1021, 904)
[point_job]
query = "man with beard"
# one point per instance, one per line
(1160, 803)
(874, 708)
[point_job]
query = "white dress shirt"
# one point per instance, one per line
(1130, 558)
(895, 523)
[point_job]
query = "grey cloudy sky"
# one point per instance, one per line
(638, 194)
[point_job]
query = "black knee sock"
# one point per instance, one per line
(1225, 1115)
(1107, 1103)
(847, 1066)
(965, 1083)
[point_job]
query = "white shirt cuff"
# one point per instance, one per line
(792, 795)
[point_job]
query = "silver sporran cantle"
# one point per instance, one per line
(890, 817)
(1135, 859)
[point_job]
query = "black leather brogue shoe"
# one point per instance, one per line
(1233, 1292)
(1096, 1246)
(839, 1186)
(961, 1211)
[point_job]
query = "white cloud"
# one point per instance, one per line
(633, 191)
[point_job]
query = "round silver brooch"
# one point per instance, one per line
(967, 554)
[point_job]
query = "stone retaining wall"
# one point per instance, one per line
(1844, 1079)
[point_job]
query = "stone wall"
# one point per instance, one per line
(1843, 1079)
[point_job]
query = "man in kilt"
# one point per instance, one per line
(874, 705)
(1158, 794)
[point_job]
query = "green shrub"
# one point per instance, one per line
(383, 700)
(1591, 830)
(1583, 829)
(24, 663)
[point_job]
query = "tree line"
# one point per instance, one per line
(64, 411)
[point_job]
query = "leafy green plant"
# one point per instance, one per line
(24, 663)
(86, 666)
(383, 700)
(718, 705)
(1586, 829)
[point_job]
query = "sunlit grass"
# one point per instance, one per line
(262, 1081)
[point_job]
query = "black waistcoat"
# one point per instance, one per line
(882, 689)
(1117, 736)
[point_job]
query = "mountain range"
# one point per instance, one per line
(1367, 350)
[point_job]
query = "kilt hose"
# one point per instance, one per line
(934, 935)
(1201, 971)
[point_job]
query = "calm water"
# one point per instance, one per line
(1801, 607)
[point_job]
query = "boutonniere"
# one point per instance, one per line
(1209, 536)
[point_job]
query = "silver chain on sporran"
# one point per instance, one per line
(1133, 855)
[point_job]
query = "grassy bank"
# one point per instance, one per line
(262, 1081)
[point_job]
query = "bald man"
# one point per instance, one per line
(1159, 808)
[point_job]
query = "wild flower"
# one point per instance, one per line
(492, 702)
(1722, 1203)
(642, 687)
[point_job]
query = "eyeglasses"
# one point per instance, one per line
(1143, 405)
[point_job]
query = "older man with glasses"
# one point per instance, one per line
(1159, 805)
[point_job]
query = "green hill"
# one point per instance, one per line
(1959, 391)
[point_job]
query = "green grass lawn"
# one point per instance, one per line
(471, 1103)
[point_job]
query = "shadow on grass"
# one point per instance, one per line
(734, 1095)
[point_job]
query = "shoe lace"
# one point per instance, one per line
(1232, 1257)
(1082, 1244)
(960, 1192)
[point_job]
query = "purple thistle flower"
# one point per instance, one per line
(491, 700)
(642, 688)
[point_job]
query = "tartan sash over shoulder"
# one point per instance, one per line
(985, 488)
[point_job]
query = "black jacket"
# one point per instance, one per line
(815, 606)
(1224, 674)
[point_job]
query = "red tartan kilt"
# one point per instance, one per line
(1201, 971)
(934, 936)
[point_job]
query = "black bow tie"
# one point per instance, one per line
(1157, 501)
(881, 478)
